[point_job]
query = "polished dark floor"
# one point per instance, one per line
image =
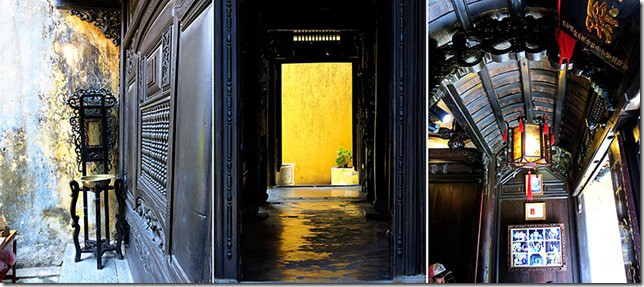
(315, 235)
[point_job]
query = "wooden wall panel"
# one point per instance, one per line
(453, 209)
(192, 180)
(512, 211)
(168, 189)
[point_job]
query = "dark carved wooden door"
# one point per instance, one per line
(166, 132)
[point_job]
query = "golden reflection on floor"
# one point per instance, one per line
(315, 235)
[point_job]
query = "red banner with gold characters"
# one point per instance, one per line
(610, 28)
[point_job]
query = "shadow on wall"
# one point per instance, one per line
(46, 55)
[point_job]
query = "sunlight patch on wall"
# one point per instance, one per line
(604, 248)
(46, 55)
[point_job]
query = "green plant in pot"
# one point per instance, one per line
(343, 157)
(342, 174)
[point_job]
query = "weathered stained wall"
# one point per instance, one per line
(45, 54)
(316, 118)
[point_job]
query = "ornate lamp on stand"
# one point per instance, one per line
(528, 148)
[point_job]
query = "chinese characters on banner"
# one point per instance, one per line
(610, 28)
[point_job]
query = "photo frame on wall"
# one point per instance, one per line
(535, 211)
(536, 247)
(536, 183)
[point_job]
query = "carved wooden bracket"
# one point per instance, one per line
(109, 21)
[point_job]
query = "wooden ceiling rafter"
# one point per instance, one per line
(561, 96)
(524, 69)
(455, 103)
(493, 98)
(462, 13)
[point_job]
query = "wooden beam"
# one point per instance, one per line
(561, 95)
(95, 4)
(462, 13)
(467, 155)
(494, 99)
(582, 129)
(629, 87)
(517, 8)
(527, 90)
(454, 102)
(598, 150)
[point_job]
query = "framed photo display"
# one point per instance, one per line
(536, 247)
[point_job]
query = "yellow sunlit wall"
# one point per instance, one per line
(316, 118)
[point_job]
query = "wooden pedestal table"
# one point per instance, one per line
(100, 245)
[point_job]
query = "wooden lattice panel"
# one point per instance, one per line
(155, 122)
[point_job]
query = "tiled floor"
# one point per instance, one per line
(114, 270)
(316, 235)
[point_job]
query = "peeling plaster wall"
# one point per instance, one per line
(45, 55)
(316, 118)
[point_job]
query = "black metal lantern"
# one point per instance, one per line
(529, 147)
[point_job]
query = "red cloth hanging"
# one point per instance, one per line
(565, 41)
(520, 129)
(529, 190)
(545, 129)
(505, 135)
(566, 45)
(552, 139)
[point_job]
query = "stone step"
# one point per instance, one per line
(38, 272)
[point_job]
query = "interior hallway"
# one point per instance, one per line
(315, 235)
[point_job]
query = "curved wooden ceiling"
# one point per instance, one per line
(501, 91)
(506, 86)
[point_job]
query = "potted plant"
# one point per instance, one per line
(343, 174)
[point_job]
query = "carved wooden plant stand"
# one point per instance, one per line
(94, 128)
(92, 246)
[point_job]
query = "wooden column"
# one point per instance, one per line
(407, 169)
(227, 151)
(486, 265)
(381, 129)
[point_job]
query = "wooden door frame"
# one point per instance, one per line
(407, 135)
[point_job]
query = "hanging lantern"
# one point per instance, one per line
(528, 147)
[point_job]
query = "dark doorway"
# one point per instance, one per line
(380, 39)
(304, 234)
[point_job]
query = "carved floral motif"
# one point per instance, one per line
(151, 222)
(165, 57)
(109, 21)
